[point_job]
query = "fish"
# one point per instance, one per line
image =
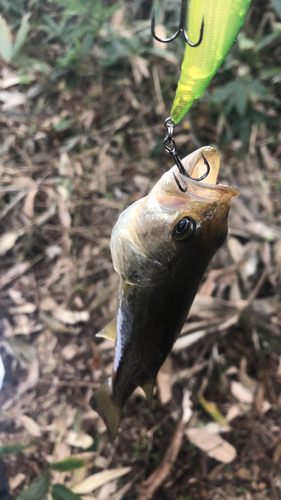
(222, 22)
(161, 246)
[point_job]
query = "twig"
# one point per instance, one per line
(155, 480)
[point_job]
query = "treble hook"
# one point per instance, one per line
(181, 27)
(170, 146)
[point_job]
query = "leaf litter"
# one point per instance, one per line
(62, 189)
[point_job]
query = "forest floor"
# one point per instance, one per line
(71, 162)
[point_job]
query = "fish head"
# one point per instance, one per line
(170, 232)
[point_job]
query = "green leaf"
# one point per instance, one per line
(276, 4)
(75, 6)
(22, 33)
(37, 490)
(6, 45)
(60, 492)
(15, 448)
(241, 103)
(69, 464)
(62, 125)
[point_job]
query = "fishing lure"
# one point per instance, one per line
(161, 246)
(222, 22)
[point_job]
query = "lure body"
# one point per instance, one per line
(160, 273)
(222, 22)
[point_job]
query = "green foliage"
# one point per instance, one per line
(60, 492)
(37, 490)
(8, 48)
(14, 448)
(69, 464)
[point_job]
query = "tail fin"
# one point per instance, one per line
(110, 412)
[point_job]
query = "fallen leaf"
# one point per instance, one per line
(27, 308)
(164, 381)
(139, 68)
(234, 412)
(69, 351)
(241, 393)
(277, 454)
(30, 425)
(215, 446)
(161, 33)
(244, 474)
(11, 99)
(28, 207)
(14, 482)
(186, 407)
(213, 411)
(81, 440)
(9, 239)
(71, 317)
(48, 304)
(64, 215)
(13, 272)
(97, 480)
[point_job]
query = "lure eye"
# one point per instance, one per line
(184, 229)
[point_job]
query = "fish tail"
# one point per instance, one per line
(103, 403)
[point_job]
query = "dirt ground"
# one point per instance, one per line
(71, 161)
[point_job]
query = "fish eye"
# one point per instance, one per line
(184, 229)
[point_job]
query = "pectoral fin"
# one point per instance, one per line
(109, 331)
(148, 387)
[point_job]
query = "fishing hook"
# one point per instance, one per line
(181, 27)
(170, 146)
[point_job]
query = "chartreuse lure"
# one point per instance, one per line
(222, 22)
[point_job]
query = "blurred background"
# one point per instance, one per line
(84, 92)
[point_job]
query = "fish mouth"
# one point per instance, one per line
(196, 167)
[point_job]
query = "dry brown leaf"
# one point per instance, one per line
(13, 272)
(11, 99)
(30, 425)
(71, 317)
(65, 166)
(215, 446)
(81, 440)
(139, 68)
(48, 304)
(186, 407)
(233, 412)
(14, 482)
(64, 214)
(107, 490)
(164, 381)
(241, 393)
(244, 474)
(277, 454)
(16, 296)
(28, 207)
(8, 240)
(150, 485)
(31, 379)
(161, 33)
(97, 480)
(69, 351)
(26, 308)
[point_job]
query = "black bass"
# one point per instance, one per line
(161, 246)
